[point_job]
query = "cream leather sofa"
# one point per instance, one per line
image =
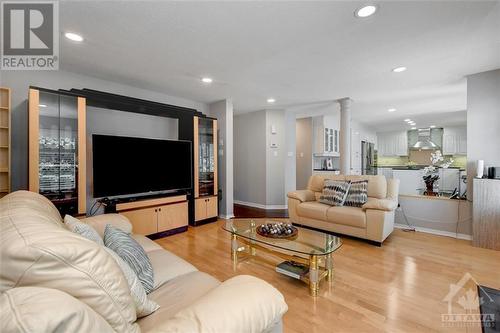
(374, 221)
(52, 280)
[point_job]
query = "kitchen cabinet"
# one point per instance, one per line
(410, 181)
(455, 140)
(392, 143)
(326, 136)
(449, 179)
(387, 172)
(355, 153)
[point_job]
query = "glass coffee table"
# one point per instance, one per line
(309, 247)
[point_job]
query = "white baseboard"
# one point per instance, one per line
(435, 232)
(256, 205)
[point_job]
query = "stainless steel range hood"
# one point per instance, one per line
(424, 140)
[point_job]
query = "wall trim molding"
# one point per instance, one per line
(226, 217)
(436, 232)
(260, 206)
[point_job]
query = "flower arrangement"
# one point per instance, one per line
(430, 172)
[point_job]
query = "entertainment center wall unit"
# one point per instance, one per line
(165, 215)
(57, 160)
(205, 170)
(57, 146)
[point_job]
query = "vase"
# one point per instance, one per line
(429, 187)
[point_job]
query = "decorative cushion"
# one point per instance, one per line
(85, 230)
(143, 305)
(132, 253)
(35, 309)
(358, 194)
(334, 192)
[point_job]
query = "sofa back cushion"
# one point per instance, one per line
(377, 185)
(37, 250)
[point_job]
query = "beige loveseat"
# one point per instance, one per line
(374, 221)
(53, 280)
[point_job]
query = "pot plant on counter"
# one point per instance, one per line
(431, 174)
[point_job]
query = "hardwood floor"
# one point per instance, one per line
(241, 211)
(398, 287)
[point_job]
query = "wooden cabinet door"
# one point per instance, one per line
(212, 207)
(200, 209)
(172, 216)
(144, 221)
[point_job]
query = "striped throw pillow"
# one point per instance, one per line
(132, 253)
(143, 305)
(334, 192)
(358, 194)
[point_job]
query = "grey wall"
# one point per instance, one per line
(483, 122)
(223, 111)
(19, 82)
(259, 169)
(275, 159)
(304, 138)
(250, 157)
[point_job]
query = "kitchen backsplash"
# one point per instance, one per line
(458, 161)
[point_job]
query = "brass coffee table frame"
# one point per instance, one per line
(317, 270)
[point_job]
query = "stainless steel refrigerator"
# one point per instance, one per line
(368, 158)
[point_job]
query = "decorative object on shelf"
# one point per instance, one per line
(480, 169)
(277, 230)
(431, 172)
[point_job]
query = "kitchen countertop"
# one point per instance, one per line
(416, 167)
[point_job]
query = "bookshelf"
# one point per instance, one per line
(5, 143)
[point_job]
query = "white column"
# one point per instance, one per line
(345, 135)
(223, 111)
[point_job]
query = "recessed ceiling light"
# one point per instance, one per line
(271, 100)
(391, 109)
(408, 120)
(365, 11)
(74, 37)
(413, 128)
(399, 69)
(42, 105)
(206, 80)
(432, 126)
(412, 123)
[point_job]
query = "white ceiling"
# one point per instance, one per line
(296, 52)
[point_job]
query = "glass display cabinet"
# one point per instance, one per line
(205, 169)
(57, 149)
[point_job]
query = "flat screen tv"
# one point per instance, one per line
(126, 165)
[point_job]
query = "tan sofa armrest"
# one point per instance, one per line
(99, 222)
(302, 195)
(222, 309)
(387, 205)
